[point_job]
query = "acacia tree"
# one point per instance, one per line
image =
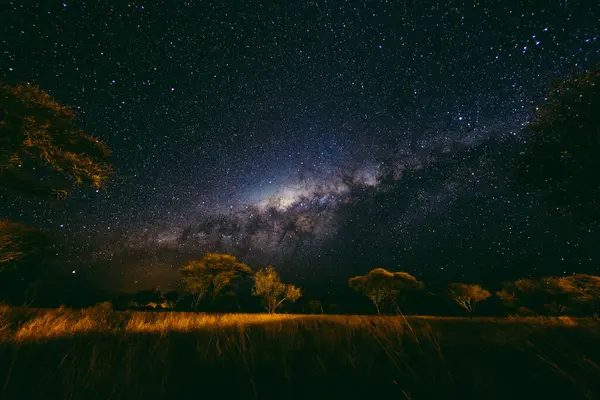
(25, 254)
(41, 149)
(11, 244)
(467, 296)
(316, 306)
(211, 275)
(580, 290)
(42, 152)
(380, 285)
(561, 159)
(145, 298)
(268, 285)
(19, 243)
(170, 299)
(524, 294)
(547, 294)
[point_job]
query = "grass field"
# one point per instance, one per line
(101, 354)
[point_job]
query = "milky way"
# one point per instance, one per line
(325, 138)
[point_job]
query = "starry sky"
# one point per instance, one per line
(327, 138)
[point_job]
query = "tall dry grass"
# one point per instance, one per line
(22, 325)
(27, 325)
(99, 353)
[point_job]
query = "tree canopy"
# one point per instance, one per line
(268, 285)
(20, 243)
(582, 290)
(467, 295)
(380, 285)
(553, 294)
(41, 149)
(212, 274)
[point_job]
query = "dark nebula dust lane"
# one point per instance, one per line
(325, 138)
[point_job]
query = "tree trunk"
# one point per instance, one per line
(197, 302)
(397, 308)
(270, 306)
(277, 304)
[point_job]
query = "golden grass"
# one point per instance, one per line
(47, 324)
(54, 325)
(100, 353)
(187, 322)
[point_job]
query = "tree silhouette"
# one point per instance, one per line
(524, 294)
(41, 150)
(467, 296)
(552, 294)
(315, 306)
(268, 285)
(26, 255)
(20, 244)
(146, 297)
(171, 298)
(211, 275)
(563, 147)
(380, 285)
(581, 290)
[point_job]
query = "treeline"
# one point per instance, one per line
(220, 283)
(43, 153)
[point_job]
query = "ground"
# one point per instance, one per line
(100, 354)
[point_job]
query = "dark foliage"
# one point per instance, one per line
(41, 150)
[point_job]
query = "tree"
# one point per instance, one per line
(547, 294)
(25, 257)
(524, 294)
(170, 298)
(145, 297)
(581, 290)
(563, 146)
(316, 306)
(20, 243)
(380, 285)
(11, 246)
(467, 296)
(212, 275)
(268, 285)
(41, 150)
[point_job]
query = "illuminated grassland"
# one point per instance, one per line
(101, 354)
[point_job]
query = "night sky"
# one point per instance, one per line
(327, 138)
